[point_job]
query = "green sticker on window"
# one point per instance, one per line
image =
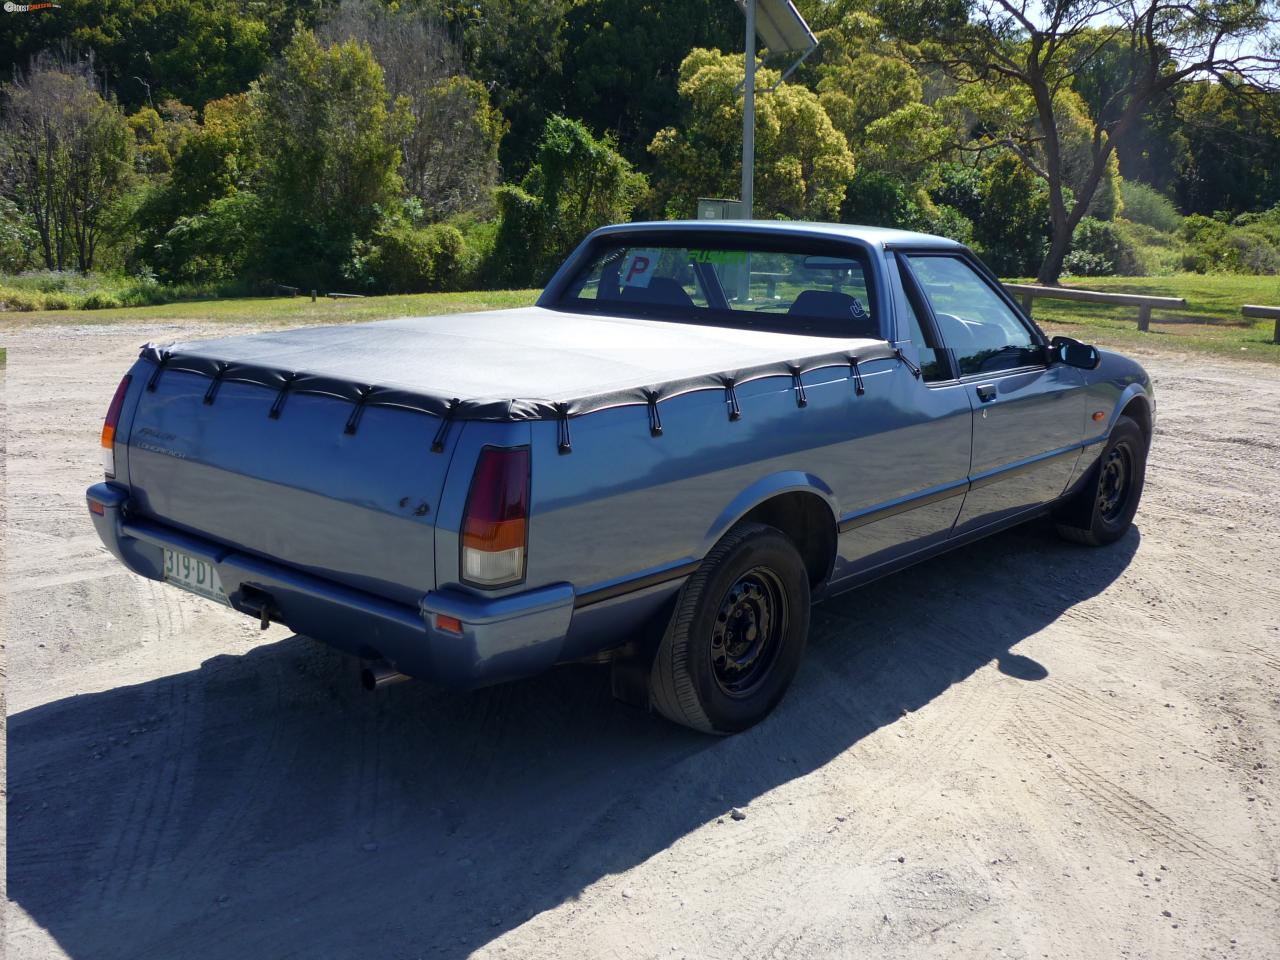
(718, 257)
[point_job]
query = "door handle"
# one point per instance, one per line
(987, 392)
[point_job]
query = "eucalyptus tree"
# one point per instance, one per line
(1034, 50)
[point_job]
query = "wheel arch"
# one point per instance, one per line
(798, 504)
(1135, 405)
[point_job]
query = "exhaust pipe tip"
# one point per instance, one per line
(381, 674)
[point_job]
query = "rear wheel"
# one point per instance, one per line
(734, 642)
(1102, 512)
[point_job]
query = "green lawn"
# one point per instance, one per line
(285, 311)
(1210, 323)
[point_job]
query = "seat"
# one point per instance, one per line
(661, 291)
(829, 305)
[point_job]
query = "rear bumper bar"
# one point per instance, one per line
(501, 638)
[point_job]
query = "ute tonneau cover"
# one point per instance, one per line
(506, 365)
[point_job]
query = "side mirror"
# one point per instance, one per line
(1074, 353)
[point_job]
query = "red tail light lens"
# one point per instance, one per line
(109, 428)
(495, 525)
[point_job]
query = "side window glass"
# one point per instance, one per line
(986, 335)
(932, 365)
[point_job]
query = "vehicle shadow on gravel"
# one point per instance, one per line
(265, 806)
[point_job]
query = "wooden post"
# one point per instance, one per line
(1144, 317)
(1255, 312)
(1026, 303)
(313, 296)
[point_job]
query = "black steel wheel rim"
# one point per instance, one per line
(748, 632)
(1114, 483)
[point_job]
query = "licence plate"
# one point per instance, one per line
(191, 573)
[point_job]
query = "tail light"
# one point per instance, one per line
(109, 428)
(495, 524)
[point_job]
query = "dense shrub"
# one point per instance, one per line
(1248, 244)
(475, 267)
(578, 183)
(947, 221)
(1099, 249)
(99, 301)
(70, 290)
(1147, 205)
(15, 299)
(877, 199)
(1011, 228)
(1157, 253)
(216, 244)
(407, 259)
(18, 240)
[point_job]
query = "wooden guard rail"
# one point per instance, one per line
(1026, 292)
(1264, 313)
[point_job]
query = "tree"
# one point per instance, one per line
(159, 135)
(1036, 48)
(802, 161)
(148, 51)
(577, 183)
(450, 150)
(519, 48)
(203, 223)
(1230, 145)
(67, 158)
(625, 56)
(330, 155)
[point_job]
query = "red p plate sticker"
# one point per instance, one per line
(637, 269)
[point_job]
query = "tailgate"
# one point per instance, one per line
(357, 508)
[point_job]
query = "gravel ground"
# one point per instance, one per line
(1025, 748)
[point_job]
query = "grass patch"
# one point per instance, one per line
(287, 311)
(1210, 322)
(68, 290)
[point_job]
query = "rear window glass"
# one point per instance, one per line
(821, 294)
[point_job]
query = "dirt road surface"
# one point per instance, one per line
(1023, 749)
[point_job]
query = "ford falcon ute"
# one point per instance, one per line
(700, 429)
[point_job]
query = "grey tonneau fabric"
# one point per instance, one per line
(524, 364)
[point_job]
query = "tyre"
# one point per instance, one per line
(1102, 511)
(737, 634)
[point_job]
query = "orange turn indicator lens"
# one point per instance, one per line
(450, 624)
(1099, 415)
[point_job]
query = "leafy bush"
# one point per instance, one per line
(1157, 253)
(1248, 244)
(947, 221)
(69, 290)
(1099, 249)
(877, 199)
(18, 239)
(577, 184)
(407, 259)
(880, 199)
(16, 299)
(1012, 224)
(214, 245)
(99, 301)
(1147, 205)
(475, 266)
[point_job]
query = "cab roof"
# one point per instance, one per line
(878, 237)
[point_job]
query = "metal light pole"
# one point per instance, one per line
(749, 112)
